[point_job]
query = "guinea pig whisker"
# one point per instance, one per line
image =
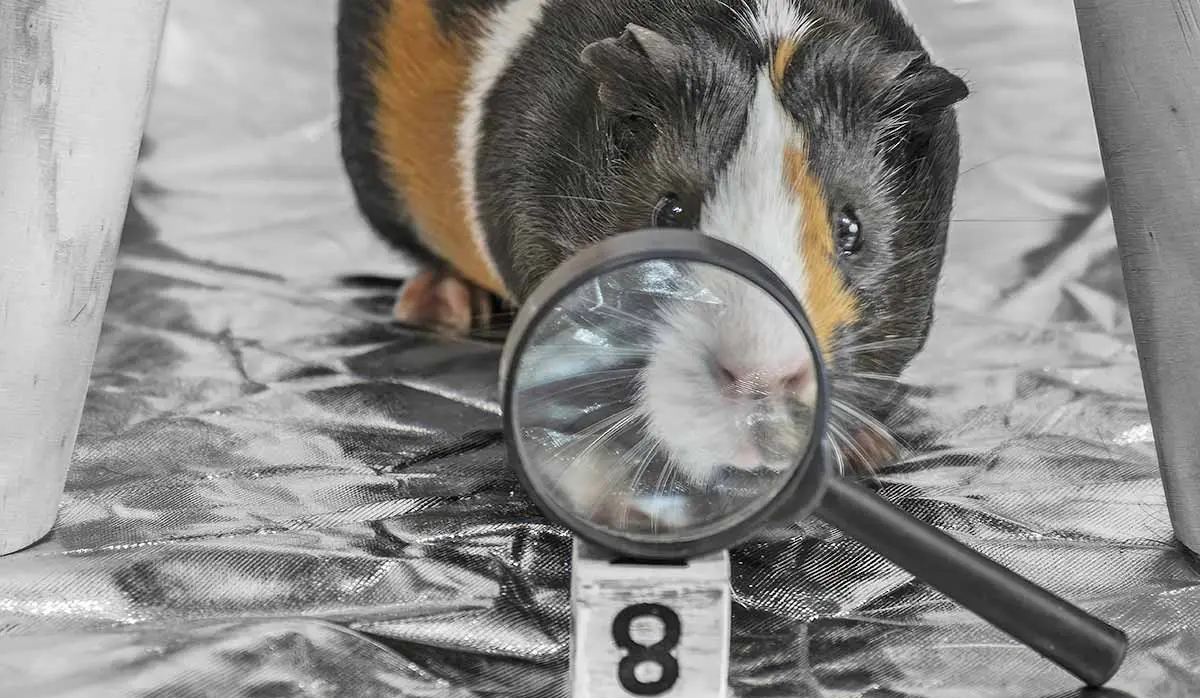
(600, 357)
(985, 163)
(597, 378)
(862, 397)
(868, 391)
(617, 423)
(615, 475)
(867, 375)
(876, 431)
(893, 343)
(1029, 219)
(865, 392)
(889, 341)
(606, 351)
(645, 450)
(602, 430)
(844, 438)
(839, 457)
(665, 477)
(1005, 220)
(865, 419)
(606, 486)
(606, 311)
(646, 445)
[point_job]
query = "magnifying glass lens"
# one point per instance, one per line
(663, 400)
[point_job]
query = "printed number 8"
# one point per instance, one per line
(659, 653)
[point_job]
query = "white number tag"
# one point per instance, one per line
(649, 629)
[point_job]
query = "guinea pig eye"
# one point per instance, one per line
(849, 233)
(671, 212)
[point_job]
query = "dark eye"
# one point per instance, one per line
(672, 212)
(849, 233)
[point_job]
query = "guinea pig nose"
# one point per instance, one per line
(763, 383)
(740, 382)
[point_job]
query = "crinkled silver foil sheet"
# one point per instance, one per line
(276, 493)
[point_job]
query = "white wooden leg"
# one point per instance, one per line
(1143, 67)
(75, 80)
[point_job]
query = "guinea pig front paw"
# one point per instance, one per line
(442, 301)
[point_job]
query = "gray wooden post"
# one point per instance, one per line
(75, 80)
(1143, 67)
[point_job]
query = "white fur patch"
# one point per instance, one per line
(755, 207)
(506, 30)
(778, 19)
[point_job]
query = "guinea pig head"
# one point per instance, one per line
(826, 152)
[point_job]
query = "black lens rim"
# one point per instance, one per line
(798, 496)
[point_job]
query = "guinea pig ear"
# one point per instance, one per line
(624, 67)
(914, 84)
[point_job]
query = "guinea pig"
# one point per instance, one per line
(491, 139)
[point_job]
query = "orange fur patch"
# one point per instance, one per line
(784, 52)
(831, 305)
(420, 81)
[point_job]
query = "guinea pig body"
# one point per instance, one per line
(490, 139)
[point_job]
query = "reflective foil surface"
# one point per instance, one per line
(276, 493)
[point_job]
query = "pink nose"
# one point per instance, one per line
(762, 382)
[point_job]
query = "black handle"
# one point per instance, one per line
(1082, 644)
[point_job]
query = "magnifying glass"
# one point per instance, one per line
(643, 413)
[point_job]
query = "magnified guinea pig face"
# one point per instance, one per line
(729, 382)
